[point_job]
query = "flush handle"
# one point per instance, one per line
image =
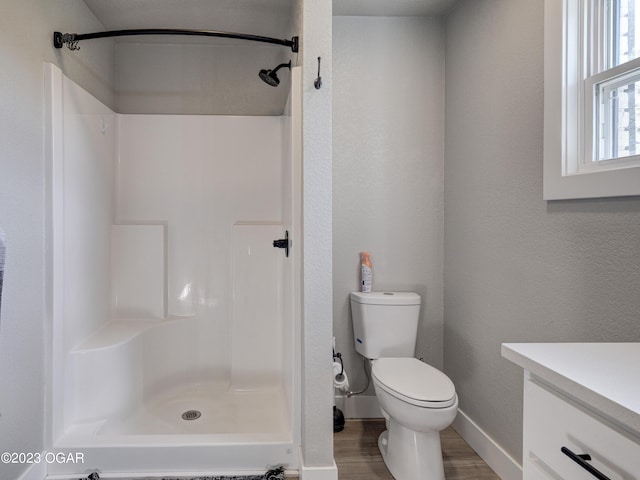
(283, 243)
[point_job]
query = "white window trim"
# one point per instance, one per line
(615, 74)
(563, 145)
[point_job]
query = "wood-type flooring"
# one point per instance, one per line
(357, 456)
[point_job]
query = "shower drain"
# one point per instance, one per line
(191, 415)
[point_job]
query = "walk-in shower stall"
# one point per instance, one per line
(173, 339)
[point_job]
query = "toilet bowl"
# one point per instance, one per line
(418, 401)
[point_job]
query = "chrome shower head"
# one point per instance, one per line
(269, 76)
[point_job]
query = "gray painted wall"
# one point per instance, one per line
(26, 28)
(204, 76)
(517, 268)
(388, 155)
(199, 79)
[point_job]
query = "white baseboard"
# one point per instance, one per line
(319, 473)
(359, 406)
(37, 471)
(493, 454)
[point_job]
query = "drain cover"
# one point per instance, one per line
(191, 415)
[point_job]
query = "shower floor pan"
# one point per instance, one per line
(238, 431)
(222, 411)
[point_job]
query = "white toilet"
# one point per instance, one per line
(417, 400)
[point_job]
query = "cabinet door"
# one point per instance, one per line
(536, 470)
(552, 421)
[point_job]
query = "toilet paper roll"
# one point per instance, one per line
(340, 380)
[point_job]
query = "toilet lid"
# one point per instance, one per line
(415, 381)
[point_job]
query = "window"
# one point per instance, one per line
(592, 98)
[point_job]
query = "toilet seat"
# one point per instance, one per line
(414, 382)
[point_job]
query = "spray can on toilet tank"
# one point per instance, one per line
(366, 272)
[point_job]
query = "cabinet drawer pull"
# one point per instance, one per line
(581, 459)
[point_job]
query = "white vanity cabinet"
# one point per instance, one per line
(553, 421)
(581, 410)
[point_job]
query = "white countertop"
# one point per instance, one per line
(603, 376)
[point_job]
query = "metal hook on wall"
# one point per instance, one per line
(318, 81)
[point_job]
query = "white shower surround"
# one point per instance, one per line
(142, 323)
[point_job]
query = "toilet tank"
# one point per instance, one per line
(385, 324)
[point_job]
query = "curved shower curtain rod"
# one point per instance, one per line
(72, 39)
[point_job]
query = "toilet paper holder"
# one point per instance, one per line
(340, 380)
